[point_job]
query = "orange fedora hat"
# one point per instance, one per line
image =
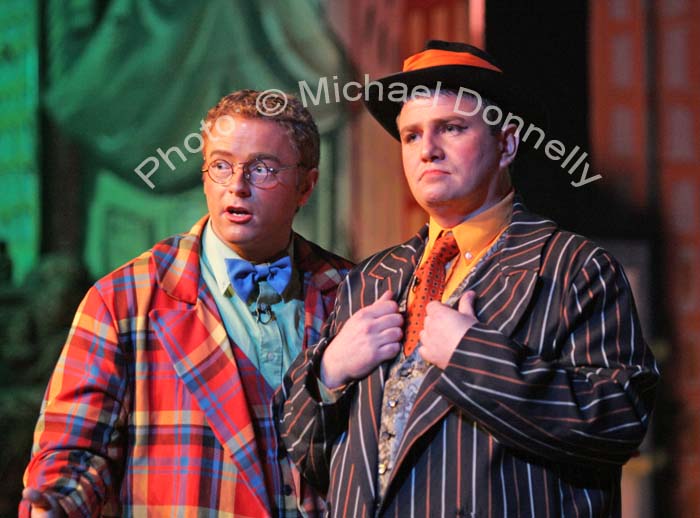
(452, 65)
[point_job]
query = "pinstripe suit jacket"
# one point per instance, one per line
(145, 414)
(540, 405)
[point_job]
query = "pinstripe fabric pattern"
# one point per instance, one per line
(540, 405)
(145, 414)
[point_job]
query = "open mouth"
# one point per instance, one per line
(237, 211)
(238, 215)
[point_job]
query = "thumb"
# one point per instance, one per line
(387, 295)
(37, 498)
(466, 303)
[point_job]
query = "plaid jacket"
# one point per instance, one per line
(145, 414)
(541, 403)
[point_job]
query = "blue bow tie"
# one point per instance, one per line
(244, 275)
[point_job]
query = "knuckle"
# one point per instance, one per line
(365, 327)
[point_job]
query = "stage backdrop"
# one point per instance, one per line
(138, 87)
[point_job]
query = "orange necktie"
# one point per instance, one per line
(430, 280)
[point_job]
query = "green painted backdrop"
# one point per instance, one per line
(124, 79)
(19, 174)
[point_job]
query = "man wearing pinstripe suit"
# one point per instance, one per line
(531, 385)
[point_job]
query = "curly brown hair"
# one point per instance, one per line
(294, 118)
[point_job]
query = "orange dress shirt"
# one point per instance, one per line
(475, 236)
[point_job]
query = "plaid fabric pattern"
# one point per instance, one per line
(146, 413)
(279, 480)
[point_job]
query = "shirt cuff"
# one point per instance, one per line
(329, 395)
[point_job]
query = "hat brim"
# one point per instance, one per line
(489, 84)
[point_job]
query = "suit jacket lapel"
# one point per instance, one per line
(394, 268)
(196, 341)
(389, 270)
(506, 281)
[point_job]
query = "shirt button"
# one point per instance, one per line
(392, 403)
(270, 356)
(468, 256)
(287, 490)
(382, 468)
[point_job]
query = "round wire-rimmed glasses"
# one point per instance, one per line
(256, 172)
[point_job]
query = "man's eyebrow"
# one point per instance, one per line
(435, 122)
(221, 152)
(455, 117)
(265, 156)
(251, 156)
(407, 127)
(410, 126)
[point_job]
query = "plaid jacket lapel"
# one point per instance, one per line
(197, 344)
(321, 274)
(196, 341)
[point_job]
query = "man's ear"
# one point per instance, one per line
(306, 185)
(510, 140)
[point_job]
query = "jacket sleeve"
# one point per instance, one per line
(308, 423)
(581, 393)
(79, 438)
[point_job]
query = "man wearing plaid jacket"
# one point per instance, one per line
(159, 404)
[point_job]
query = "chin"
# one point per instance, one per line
(434, 200)
(232, 236)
